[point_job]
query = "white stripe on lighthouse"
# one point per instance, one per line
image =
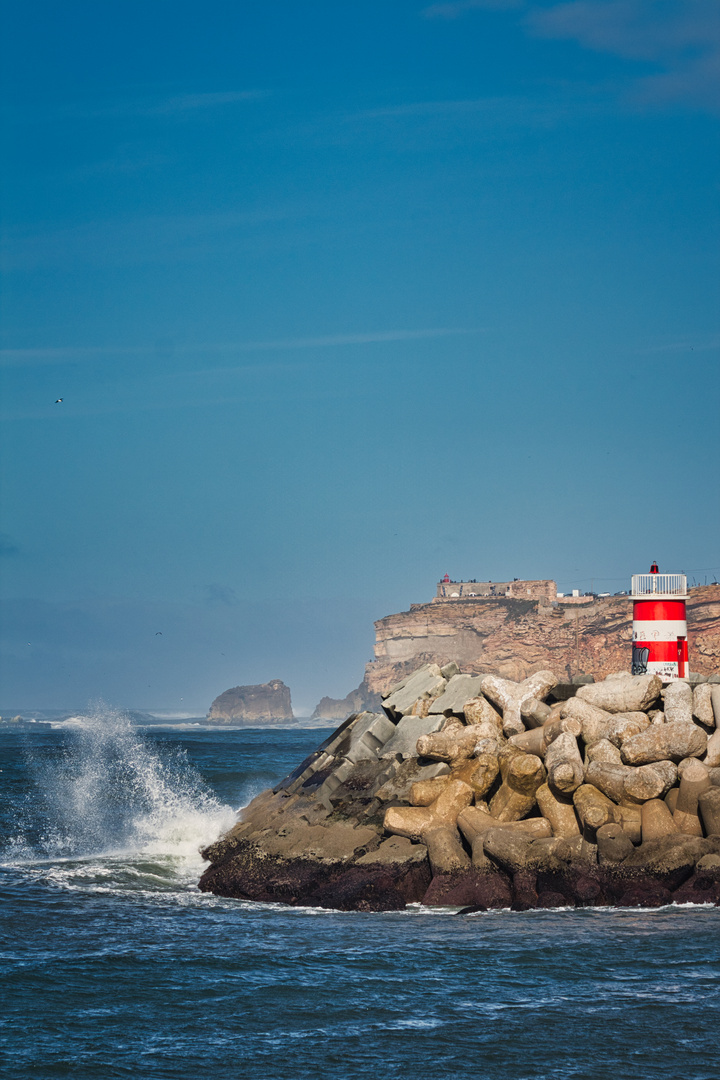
(659, 629)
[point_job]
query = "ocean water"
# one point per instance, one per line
(114, 965)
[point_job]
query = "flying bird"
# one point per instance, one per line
(58, 401)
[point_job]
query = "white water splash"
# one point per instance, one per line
(111, 792)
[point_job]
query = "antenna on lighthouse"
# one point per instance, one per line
(660, 642)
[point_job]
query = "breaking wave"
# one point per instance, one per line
(108, 791)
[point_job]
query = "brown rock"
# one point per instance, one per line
(264, 703)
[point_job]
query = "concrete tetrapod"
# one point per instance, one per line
(565, 772)
(695, 782)
(628, 785)
(490, 739)
(445, 850)
(604, 751)
(665, 742)
(709, 806)
(522, 774)
(453, 743)
(702, 704)
(414, 821)
(712, 758)
(633, 694)
(594, 809)
(479, 773)
(535, 713)
(559, 811)
(512, 696)
(474, 822)
(478, 710)
(613, 844)
(598, 724)
(537, 740)
(657, 820)
(678, 703)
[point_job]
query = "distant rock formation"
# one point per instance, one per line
(514, 637)
(265, 703)
(360, 700)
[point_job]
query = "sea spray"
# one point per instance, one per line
(108, 789)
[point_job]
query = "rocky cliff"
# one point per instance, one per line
(515, 638)
(360, 700)
(264, 703)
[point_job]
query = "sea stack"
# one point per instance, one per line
(265, 703)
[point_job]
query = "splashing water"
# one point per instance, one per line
(109, 792)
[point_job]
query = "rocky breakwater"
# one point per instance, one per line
(480, 792)
(264, 703)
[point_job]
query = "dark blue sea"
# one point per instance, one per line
(114, 965)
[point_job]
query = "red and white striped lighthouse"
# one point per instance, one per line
(660, 624)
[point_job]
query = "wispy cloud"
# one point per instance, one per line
(184, 103)
(489, 106)
(460, 7)
(126, 241)
(64, 354)
(155, 105)
(680, 38)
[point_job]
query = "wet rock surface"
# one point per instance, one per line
(484, 793)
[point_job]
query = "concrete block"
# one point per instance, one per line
(424, 684)
(407, 733)
(459, 690)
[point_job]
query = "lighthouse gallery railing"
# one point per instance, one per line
(659, 585)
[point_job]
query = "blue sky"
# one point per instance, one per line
(340, 297)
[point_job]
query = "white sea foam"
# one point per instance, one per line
(113, 793)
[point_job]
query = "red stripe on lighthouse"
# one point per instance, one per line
(659, 609)
(659, 651)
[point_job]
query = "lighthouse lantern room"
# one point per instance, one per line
(660, 625)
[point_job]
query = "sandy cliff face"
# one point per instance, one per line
(265, 702)
(515, 638)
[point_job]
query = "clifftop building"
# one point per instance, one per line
(477, 590)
